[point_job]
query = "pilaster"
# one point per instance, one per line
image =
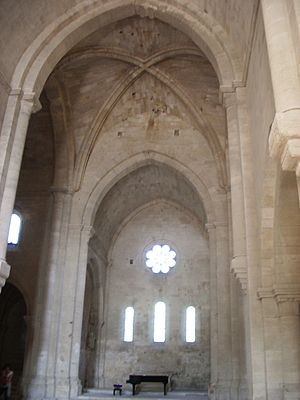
(221, 356)
(40, 376)
(252, 311)
(211, 229)
(239, 260)
(71, 310)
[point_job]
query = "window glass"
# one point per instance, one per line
(14, 229)
(160, 322)
(161, 259)
(128, 328)
(190, 325)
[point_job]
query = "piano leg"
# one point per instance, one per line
(165, 389)
(133, 389)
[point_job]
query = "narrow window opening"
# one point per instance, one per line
(128, 329)
(160, 322)
(14, 229)
(190, 325)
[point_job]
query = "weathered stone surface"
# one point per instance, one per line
(153, 121)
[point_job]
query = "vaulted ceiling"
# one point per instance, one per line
(131, 68)
(140, 188)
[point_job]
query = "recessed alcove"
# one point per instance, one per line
(153, 204)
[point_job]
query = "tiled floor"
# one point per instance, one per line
(95, 394)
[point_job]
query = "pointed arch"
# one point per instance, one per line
(60, 36)
(122, 169)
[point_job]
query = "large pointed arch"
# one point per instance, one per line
(124, 168)
(59, 37)
(40, 58)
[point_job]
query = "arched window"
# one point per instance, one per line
(14, 229)
(190, 325)
(128, 326)
(160, 322)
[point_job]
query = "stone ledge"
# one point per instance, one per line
(239, 269)
(281, 293)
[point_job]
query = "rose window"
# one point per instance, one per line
(161, 259)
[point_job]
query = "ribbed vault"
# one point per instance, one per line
(98, 82)
(142, 186)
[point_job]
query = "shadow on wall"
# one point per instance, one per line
(13, 333)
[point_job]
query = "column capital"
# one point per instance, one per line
(284, 138)
(284, 141)
(4, 272)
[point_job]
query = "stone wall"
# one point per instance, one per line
(131, 283)
(139, 83)
(261, 107)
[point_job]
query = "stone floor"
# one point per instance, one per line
(95, 394)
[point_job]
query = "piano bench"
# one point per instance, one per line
(117, 388)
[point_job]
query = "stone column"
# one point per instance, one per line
(211, 229)
(221, 362)
(252, 307)
(284, 139)
(224, 313)
(282, 58)
(235, 128)
(104, 329)
(39, 379)
(30, 328)
(101, 264)
(243, 384)
(12, 140)
(238, 262)
(70, 318)
(236, 335)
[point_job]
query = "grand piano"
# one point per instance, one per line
(137, 379)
